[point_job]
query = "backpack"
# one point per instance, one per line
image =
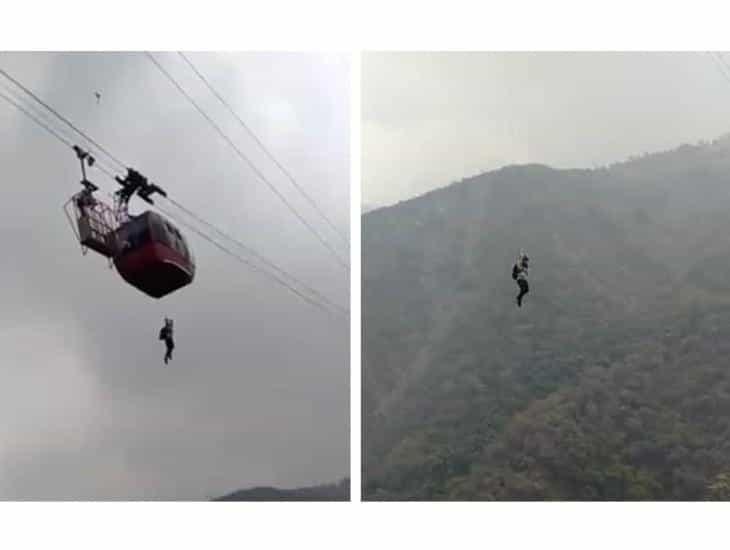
(515, 271)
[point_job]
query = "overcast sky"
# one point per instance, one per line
(258, 390)
(430, 119)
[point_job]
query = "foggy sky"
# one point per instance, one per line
(430, 119)
(258, 390)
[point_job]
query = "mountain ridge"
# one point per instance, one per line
(452, 368)
(339, 491)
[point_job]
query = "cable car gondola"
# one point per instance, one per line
(154, 255)
(148, 250)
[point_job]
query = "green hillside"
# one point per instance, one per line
(612, 382)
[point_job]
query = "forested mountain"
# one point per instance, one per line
(611, 382)
(328, 492)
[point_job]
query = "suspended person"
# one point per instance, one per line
(166, 335)
(85, 200)
(519, 274)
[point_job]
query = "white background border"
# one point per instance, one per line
(352, 26)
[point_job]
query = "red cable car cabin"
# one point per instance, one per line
(148, 251)
(153, 255)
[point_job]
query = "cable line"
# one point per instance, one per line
(246, 262)
(271, 157)
(259, 256)
(63, 119)
(37, 120)
(246, 160)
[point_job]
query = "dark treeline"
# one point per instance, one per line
(326, 492)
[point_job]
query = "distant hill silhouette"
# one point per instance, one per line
(611, 383)
(328, 492)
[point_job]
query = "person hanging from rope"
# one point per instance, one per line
(166, 335)
(85, 201)
(519, 274)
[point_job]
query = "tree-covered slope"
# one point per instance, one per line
(608, 384)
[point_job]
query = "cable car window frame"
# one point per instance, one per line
(175, 240)
(137, 232)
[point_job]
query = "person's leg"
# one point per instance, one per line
(524, 288)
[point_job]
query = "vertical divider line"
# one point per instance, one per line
(355, 280)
